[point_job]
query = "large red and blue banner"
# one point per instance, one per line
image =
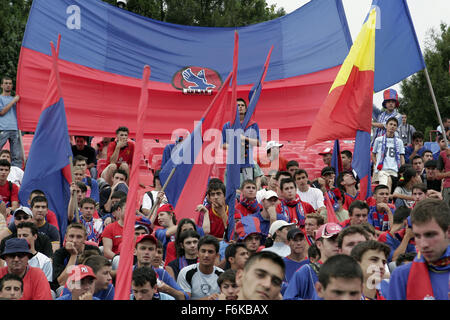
(105, 48)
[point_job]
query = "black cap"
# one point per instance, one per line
(293, 232)
(327, 170)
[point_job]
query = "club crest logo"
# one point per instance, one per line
(196, 80)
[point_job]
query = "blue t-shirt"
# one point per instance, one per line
(95, 194)
(291, 267)
(302, 285)
(69, 297)
(107, 294)
(9, 120)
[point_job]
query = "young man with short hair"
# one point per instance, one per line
(144, 285)
(416, 147)
(298, 256)
(82, 149)
(418, 165)
(39, 207)
(388, 155)
(302, 284)
(145, 250)
(346, 182)
(349, 237)
(8, 121)
(292, 208)
(199, 280)
(93, 226)
(313, 196)
(427, 276)
(247, 204)
(236, 255)
(372, 257)
(119, 179)
(217, 210)
(120, 155)
(291, 167)
(9, 192)
(15, 174)
(381, 214)
(312, 222)
(11, 287)
(340, 278)
(229, 290)
(94, 192)
(261, 278)
(432, 180)
(358, 212)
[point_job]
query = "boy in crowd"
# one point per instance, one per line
(340, 278)
(227, 283)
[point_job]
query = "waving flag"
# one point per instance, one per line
(106, 47)
(186, 188)
(361, 163)
(397, 51)
(348, 107)
(48, 166)
(125, 270)
(233, 176)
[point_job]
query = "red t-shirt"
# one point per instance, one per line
(8, 194)
(279, 165)
(171, 253)
(217, 228)
(125, 154)
(35, 284)
(52, 219)
(114, 232)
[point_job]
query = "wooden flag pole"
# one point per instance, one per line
(156, 203)
(75, 198)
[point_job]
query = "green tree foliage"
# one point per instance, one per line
(13, 18)
(417, 102)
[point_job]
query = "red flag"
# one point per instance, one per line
(331, 215)
(124, 272)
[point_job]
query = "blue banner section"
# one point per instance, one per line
(397, 51)
(103, 37)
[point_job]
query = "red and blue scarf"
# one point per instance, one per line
(293, 211)
(384, 151)
(419, 285)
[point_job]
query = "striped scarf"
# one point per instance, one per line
(380, 219)
(419, 285)
(293, 211)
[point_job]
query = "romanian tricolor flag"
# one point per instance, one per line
(348, 106)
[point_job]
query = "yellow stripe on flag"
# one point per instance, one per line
(362, 52)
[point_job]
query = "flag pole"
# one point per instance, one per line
(75, 199)
(156, 204)
(22, 147)
(427, 76)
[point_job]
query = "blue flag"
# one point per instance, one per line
(48, 166)
(397, 50)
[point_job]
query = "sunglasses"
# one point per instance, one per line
(20, 255)
(19, 218)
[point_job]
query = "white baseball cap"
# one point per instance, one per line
(269, 194)
(277, 225)
(272, 144)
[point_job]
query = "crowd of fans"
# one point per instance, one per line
(294, 238)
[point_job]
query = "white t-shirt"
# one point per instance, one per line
(147, 202)
(200, 285)
(390, 162)
(15, 175)
(313, 196)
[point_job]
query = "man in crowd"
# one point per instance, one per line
(427, 276)
(313, 196)
(349, 237)
(358, 212)
(8, 122)
(80, 148)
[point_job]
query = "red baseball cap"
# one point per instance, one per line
(145, 237)
(79, 272)
(164, 208)
(328, 230)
